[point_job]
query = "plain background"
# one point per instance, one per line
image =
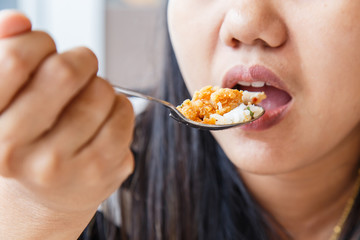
(126, 35)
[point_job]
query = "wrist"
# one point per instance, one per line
(23, 218)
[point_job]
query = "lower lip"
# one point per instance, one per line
(268, 120)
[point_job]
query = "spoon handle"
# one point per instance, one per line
(174, 113)
(132, 93)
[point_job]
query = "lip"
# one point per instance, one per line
(252, 74)
(257, 73)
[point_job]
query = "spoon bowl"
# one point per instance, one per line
(177, 115)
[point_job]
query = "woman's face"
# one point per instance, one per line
(308, 51)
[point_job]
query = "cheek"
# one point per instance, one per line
(193, 35)
(330, 60)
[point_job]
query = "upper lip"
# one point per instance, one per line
(251, 74)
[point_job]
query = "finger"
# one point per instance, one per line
(110, 148)
(81, 119)
(117, 129)
(13, 23)
(55, 84)
(19, 57)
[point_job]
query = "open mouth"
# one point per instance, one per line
(260, 79)
(275, 97)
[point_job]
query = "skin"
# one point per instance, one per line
(58, 160)
(301, 170)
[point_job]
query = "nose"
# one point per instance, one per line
(253, 22)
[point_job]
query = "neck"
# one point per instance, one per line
(308, 202)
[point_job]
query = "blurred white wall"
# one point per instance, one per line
(71, 23)
(134, 45)
(124, 34)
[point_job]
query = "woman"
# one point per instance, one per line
(291, 175)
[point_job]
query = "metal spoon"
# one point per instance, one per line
(177, 115)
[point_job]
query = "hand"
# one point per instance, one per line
(64, 138)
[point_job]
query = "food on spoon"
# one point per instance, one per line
(214, 105)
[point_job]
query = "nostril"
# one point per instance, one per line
(261, 42)
(235, 43)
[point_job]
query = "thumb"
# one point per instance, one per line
(13, 23)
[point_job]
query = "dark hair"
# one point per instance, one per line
(184, 186)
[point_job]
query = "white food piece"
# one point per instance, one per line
(239, 114)
(219, 106)
(249, 97)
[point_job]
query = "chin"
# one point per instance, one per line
(266, 151)
(259, 164)
(258, 156)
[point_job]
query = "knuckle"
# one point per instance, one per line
(46, 167)
(7, 151)
(65, 71)
(12, 61)
(104, 86)
(125, 108)
(124, 118)
(46, 39)
(88, 56)
(73, 67)
(102, 95)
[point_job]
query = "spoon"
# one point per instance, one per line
(177, 115)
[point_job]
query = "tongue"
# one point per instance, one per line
(274, 97)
